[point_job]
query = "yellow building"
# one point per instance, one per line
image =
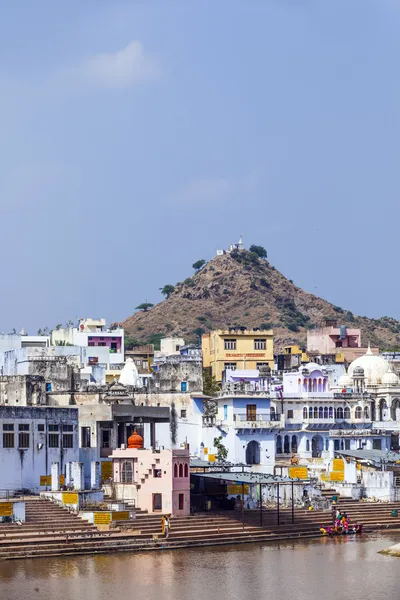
(237, 349)
(294, 349)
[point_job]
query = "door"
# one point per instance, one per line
(181, 499)
(251, 412)
(157, 502)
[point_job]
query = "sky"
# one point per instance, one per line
(140, 136)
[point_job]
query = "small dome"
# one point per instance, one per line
(390, 379)
(358, 372)
(135, 440)
(345, 381)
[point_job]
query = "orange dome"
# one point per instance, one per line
(135, 440)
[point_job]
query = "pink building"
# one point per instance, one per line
(158, 481)
(341, 341)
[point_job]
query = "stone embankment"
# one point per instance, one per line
(51, 530)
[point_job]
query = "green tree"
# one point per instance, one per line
(58, 326)
(198, 265)
(259, 250)
(167, 290)
(144, 306)
(222, 451)
(210, 385)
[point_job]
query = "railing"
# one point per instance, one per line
(257, 417)
(243, 392)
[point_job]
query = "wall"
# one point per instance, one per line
(171, 375)
(379, 484)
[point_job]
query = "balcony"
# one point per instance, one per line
(259, 421)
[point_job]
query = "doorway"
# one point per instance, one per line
(317, 446)
(157, 502)
(253, 453)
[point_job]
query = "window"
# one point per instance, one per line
(331, 412)
(53, 427)
(279, 444)
(181, 498)
(358, 413)
(261, 364)
(181, 470)
(69, 428)
(8, 435)
(85, 437)
(157, 473)
(225, 412)
(229, 344)
(286, 445)
(68, 440)
(326, 412)
(183, 413)
(106, 438)
(260, 344)
(320, 413)
(23, 437)
(310, 413)
(294, 443)
(347, 412)
(54, 440)
(230, 366)
(339, 413)
(366, 412)
(347, 444)
(186, 470)
(175, 470)
(327, 444)
(336, 445)
(307, 445)
(290, 414)
(138, 362)
(377, 444)
(48, 387)
(184, 386)
(40, 427)
(315, 412)
(144, 364)
(305, 413)
(127, 472)
(251, 412)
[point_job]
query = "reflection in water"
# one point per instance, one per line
(328, 568)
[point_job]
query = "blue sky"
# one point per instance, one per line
(139, 136)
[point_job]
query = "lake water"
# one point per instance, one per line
(327, 569)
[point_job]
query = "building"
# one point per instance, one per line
(335, 343)
(31, 439)
(143, 357)
(104, 347)
(292, 358)
(177, 373)
(237, 349)
(157, 481)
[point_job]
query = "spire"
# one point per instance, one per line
(369, 351)
(240, 244)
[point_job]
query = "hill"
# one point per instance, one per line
(240, 289)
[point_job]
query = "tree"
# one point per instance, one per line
(210, 385)
(259, 250)
(167, 290)
(222, 451)
(144, 306)
(198, 264)
(59, 326)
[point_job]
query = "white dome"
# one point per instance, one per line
(312, 366)
(345, 381)
(390, 378)
(129, 374)
(375, 367)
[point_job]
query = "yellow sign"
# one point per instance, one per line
(102, 518)
(120, 516)
(298, 473)
(337, 476)
(70, 498)
(324, 477)
(106, 470)
(236, 490)
(6, 509)
(338, 464)
(46, 480)
(212, 458)
(205, 450)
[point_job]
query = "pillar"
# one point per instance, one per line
(68, 473)
(95, 475)
(77, 476)
(55, 477)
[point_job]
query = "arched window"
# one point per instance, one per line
(315, 412)
(186, 470)
(180, 470)
(320, 413)
(175, 470)
(127, 472)
(339, 413)
(286, 445)
(358, 413)
(326, 412)
(346, 413)
(294, 443)
(279, 444)
(330, 412)
(307, 445)
(310, 412)
(305, 413)
(366, 412)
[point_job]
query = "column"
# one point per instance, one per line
(68, 473)
(77, 476)
(95, 475)
(55, 477)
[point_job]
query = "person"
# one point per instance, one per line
(162, 525)
(166, 526)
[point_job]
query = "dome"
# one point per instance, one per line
(390, 378)
(345, 381)
(359, 372)
(375, 367)
(129, 374)
(135, 440)
(312, 366)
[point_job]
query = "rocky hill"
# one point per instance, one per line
(241, 289)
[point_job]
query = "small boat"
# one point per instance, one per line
(339, 530)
